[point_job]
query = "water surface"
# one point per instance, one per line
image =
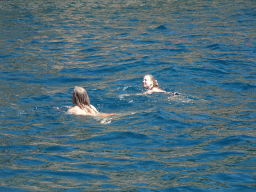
(201, 140)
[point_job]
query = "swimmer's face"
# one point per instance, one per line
(147, 83)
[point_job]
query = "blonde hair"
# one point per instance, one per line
(80, 97)
(155, 84)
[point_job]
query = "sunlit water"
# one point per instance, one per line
(201, 140)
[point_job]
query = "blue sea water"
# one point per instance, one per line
(201, 140)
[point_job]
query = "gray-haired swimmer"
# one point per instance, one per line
(150, 83)
(82, 104)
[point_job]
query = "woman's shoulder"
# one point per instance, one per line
(72, 109)
(76, 111)
(157, 90)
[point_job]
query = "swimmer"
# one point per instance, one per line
(82, 104)
(150, 83)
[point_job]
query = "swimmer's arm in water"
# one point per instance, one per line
(173, 93)
(145, 93)
(150, 92)
(99, 114)
(60, 108)
(102, 114)
(107, 114)
(141, 93)
(77, 111)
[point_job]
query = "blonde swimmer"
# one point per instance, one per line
(150, 83)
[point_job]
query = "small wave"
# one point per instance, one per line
(161, 27)
(180, 98)
(106, 121)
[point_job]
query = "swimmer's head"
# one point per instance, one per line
(149, 82)
(80, 97)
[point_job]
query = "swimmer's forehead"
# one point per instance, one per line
(146, 77)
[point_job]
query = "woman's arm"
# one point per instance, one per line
(101, 114)
(106, 114)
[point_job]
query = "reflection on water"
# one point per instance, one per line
(201, 140)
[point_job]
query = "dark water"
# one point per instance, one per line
(201, 140)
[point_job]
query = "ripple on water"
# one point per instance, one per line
(200, 140)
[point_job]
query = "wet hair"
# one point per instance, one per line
(80, 97)
(155, 84)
